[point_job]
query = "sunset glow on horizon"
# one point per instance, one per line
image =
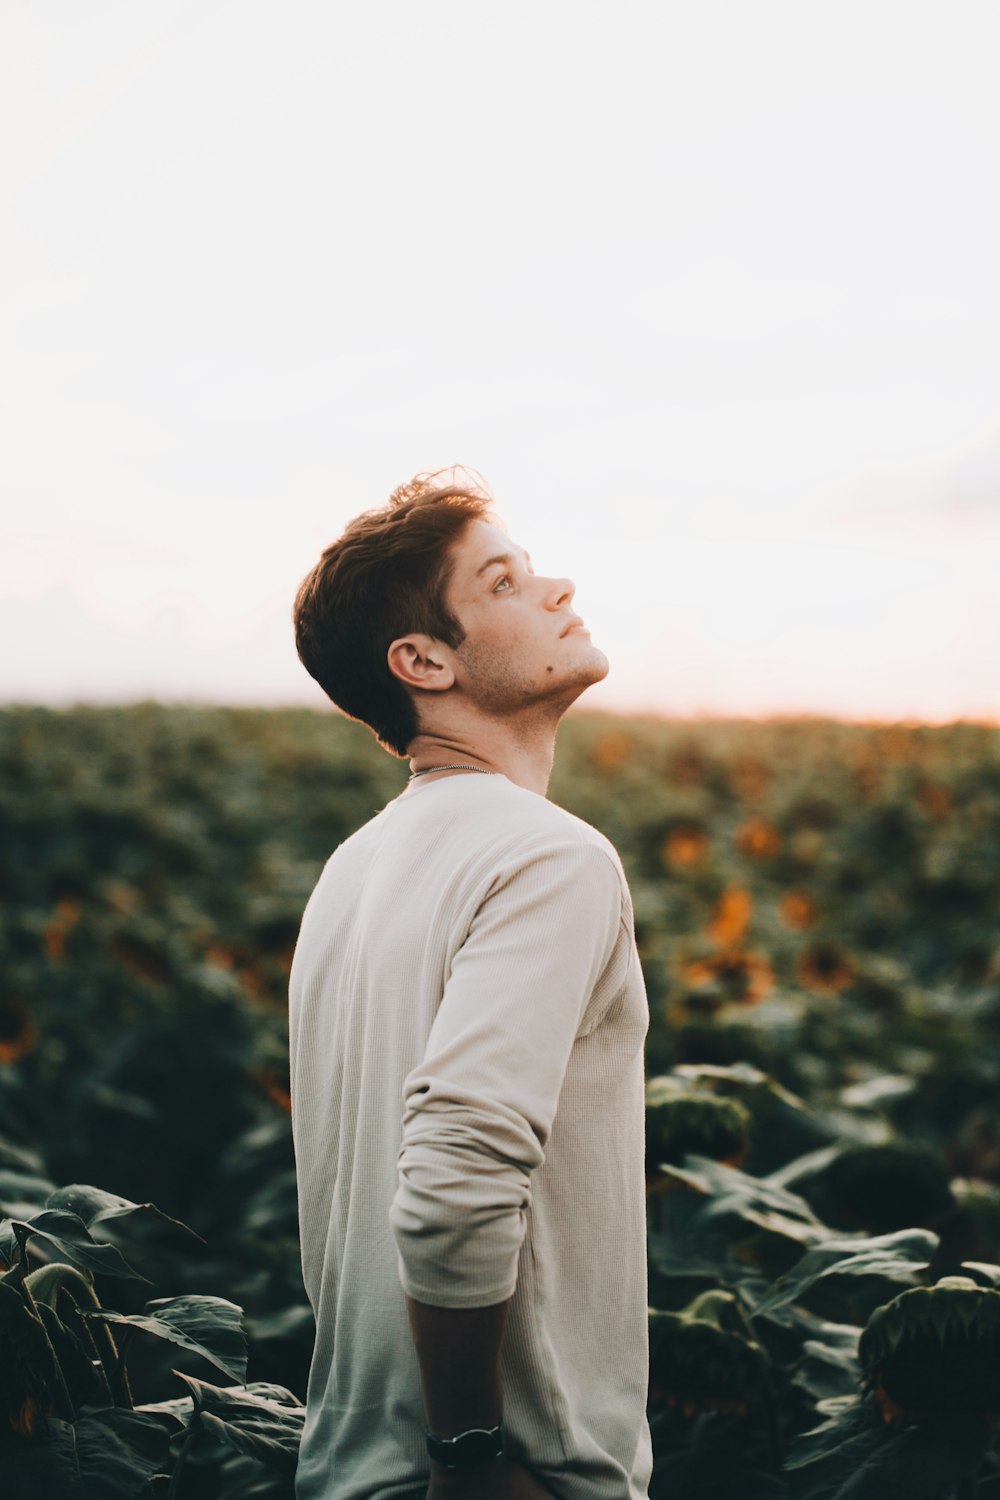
(707, 294)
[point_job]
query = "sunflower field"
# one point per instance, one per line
(817, 909)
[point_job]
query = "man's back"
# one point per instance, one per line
(468, 956)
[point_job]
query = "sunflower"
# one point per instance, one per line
(275, 1086)
(685, 846)
(18, 1034)
(750, 778)
(933, 1353)
(57, 929)
(798, 910)
(731, 917)
(695, 1121)
(879, 1186)
(733, 977)
(612, 750)
(825, 968)
(758, 838)
(705, 1358)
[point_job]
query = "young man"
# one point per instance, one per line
(467, 1017)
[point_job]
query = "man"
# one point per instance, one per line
(467, 1017)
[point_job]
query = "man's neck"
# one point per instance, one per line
(521, 754)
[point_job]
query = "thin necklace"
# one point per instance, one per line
(414, 774)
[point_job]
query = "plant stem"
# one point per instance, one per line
(186, 1446)
(119, 1385)
(771, 1419)
(22, 1233)
(69, 1311)
(60, 1284)
(60, 1390)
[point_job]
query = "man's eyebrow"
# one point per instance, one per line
(505, 559)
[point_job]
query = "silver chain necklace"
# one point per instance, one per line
(414, 774)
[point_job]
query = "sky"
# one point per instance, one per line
(707, 292)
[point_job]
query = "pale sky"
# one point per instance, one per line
(708, 291)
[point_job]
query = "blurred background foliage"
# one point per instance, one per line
(817, 909)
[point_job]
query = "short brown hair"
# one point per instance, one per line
(385, 577)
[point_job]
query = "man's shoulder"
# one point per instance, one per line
(500, 802)
(473, 823)
(527, 823)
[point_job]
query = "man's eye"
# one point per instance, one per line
(504, 580)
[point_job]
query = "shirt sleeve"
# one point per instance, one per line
(536, 971)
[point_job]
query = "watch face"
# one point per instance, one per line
(478, 1448)
(475, 1449)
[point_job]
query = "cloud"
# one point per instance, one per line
(938, 497)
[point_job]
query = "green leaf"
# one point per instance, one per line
(850, 1458)
(176, 1413)
(821, 1461)
(981, 1272)
(826, 1372)
(737, 1192)
(28, 1367)
(294, 1323)
(879, 1092)
(900, 1257)
(265, 1428)
(95, 1206)
(785, 1330)
(9, 1249)
(23, 1190)
(209, 1326)
(20, 1158)
(72, 1239)
(105, 1455)
(46, 1466)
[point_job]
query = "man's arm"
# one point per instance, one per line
(534, 973)
(459, 1353)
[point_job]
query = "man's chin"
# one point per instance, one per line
(598, 666)
(594, 670)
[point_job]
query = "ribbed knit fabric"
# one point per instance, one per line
(466, 1021)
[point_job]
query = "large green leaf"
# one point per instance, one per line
(785, 1331)
(734, 1192)
(826, 1371)
(27, 1366)
(209, 1326)
(95, 1206)
(254, 1423)
(899, 1257)
(855, 1457)
(71, 1237)
(105, 1455)
(822, 1460)
(22, 1192)
(176, 1413)
(981, 1272)
(20, 1158)
(731, 1213)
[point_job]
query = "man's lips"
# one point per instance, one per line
(575, 624)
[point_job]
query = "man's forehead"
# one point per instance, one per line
(480, 541)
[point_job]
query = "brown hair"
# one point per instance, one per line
(385, 577)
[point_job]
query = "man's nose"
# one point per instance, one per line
(560, 592)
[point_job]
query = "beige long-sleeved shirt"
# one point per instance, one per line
(467, 1017)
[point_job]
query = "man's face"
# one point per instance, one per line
(524, 643)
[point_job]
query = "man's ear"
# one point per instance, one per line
(420, 662)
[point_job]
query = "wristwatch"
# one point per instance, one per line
(470, 1452)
